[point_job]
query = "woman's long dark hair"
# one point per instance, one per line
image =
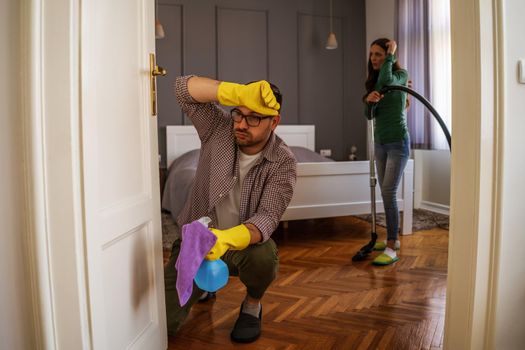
(373, 74)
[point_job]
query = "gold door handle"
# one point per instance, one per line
(158, 71)
(154, 71)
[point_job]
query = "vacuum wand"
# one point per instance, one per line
(368, 248)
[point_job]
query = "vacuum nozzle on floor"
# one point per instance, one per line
(365, 250)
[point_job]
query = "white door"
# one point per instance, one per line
(120, 170)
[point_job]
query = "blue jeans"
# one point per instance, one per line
(391, 159)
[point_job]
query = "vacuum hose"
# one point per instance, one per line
(427, 104)
(369, 247)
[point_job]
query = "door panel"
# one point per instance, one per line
(244, 59)
(126, 303)
(121, 189)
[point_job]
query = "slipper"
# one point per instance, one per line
(247, 328)
(384, 259)
(382, 245)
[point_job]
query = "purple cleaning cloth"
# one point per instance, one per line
(197, 241)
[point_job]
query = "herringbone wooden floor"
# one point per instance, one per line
(323, 300)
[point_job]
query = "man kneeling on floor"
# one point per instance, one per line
(244, 182)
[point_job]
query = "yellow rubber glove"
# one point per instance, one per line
(256, 96)
(235, 238)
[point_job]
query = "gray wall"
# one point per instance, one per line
(281, 41)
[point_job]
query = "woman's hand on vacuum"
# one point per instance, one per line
(392, 46)
(374, 97)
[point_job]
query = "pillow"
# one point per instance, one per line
(305, 155)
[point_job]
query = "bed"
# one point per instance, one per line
(324, 188)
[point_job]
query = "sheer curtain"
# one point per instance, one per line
(413, 38)
(440, 68)
(423, 34)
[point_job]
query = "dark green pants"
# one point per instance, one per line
(256, 266)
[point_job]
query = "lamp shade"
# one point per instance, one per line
(159, 30)
(331, 43)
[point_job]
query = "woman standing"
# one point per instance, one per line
(392, 142)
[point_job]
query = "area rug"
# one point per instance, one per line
(422, 220)
(170, 231)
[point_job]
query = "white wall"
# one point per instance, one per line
(16, 328)
(432, 180)
(509, 313)
(380, 22)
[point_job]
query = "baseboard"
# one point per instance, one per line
(435, 207)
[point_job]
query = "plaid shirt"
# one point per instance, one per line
(268, 186)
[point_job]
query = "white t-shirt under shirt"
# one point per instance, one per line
(228, 208)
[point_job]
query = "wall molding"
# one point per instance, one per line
(435, 207)
(217, 42)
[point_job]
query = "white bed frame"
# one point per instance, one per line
(325, 189)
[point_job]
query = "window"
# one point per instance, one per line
(424, 49)
(440, 68)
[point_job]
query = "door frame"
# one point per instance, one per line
(52, 155)
(51, 119)
(476, 165)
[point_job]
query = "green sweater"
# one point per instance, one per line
(390, 116)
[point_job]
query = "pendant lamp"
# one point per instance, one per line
(331, 42)
(159, 30)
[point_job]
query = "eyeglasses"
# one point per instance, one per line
(251, 120)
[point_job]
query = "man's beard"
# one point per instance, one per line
(243, 138)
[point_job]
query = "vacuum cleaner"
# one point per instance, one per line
(369, 247)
